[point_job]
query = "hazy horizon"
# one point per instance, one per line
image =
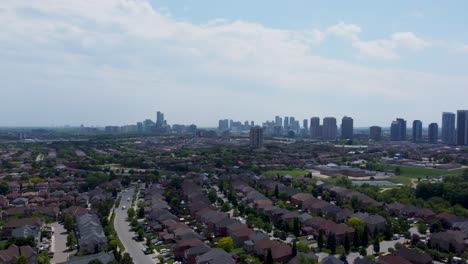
(117, 62)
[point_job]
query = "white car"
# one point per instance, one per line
(128, 199)
(124, 207)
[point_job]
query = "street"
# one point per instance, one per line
(134, 248)
(59, 241)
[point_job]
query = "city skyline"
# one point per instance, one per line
(62, 64)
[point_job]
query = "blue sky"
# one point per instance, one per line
(118, 61)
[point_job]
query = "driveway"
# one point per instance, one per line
(134, 248)
(58, 243)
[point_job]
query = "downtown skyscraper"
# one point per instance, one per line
(347, 128)
(462, 127)
(448, 128)
(330, 128)
(417, 131)
(398, 130)
(315, 132)
(433, 133)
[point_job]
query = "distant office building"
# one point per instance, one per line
(433, 133)
(292, 122)
(347, 128)
(417, 131)
(159, 118)
(286, 122)
(252, 123)
(223, 124)
(398, 130)
(148, 125)
(315, 127)
(448, 128)
(140, 127)
(375, 133)
(256, 137)
(278, 121)
(305, 124)
(462, 127)
(330, 128)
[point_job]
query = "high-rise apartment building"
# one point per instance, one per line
(398, 130)
(305, 124)
(223, 124)
(256, 137)
(448, 128)
(159, 118)
(286, 122)
(462, 127)
(315, 127)
(278, 121)
(417, 131)
(330, 128)
(433, 133)
(347, 128)
(375, 133)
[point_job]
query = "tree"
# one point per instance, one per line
(131, 213)
(71, 240)
(212, 195)
(363, 251)
(149, 244)
(296, 227)
(269, 257)
(356, 240)
(69, 223)
(320, 240)
(126, 259)
(422, 227)
(140, 233)
(226, 207)
(346, 243)
(141, 211)
(4, 188)
(388, 231)
(276, 191)
(331, 242)
(22, 260)
(397, 171)
(294, 248)
(376, 246)
(355, 222)
(226, 243)
(43, 258)
(365, 237)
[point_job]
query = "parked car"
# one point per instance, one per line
(124, 207)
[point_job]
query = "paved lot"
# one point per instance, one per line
(59, 242)
(135, 249)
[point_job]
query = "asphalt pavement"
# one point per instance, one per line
(59, 241)
(122, 227)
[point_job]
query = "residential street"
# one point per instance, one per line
(134, 248)
(59, 241)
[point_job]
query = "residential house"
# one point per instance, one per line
(91, 237)
(215, 256)
(13, 253)
(451, 240)
(414, 256)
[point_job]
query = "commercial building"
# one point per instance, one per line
(433, 133)
(315, 127)
(417, 131)
(278, 121)
(305, 124)
(286, 122)
(462, 127)
(347, 128)
(375, 133)
(330, 128)
(223, 124)
(398, 130)
(448, 128)
(159, 118)
(256, 137)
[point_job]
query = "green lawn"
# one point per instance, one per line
(294, 173)
(400, 179)
(415, 172)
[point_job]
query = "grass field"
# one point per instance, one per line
(415, 172)
(294, 173)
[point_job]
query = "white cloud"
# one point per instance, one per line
(378, 48)
(345, 30)
(115, 60)
(409, 40)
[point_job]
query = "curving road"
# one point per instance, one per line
(135, 249)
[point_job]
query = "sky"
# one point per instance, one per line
(116, 62)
